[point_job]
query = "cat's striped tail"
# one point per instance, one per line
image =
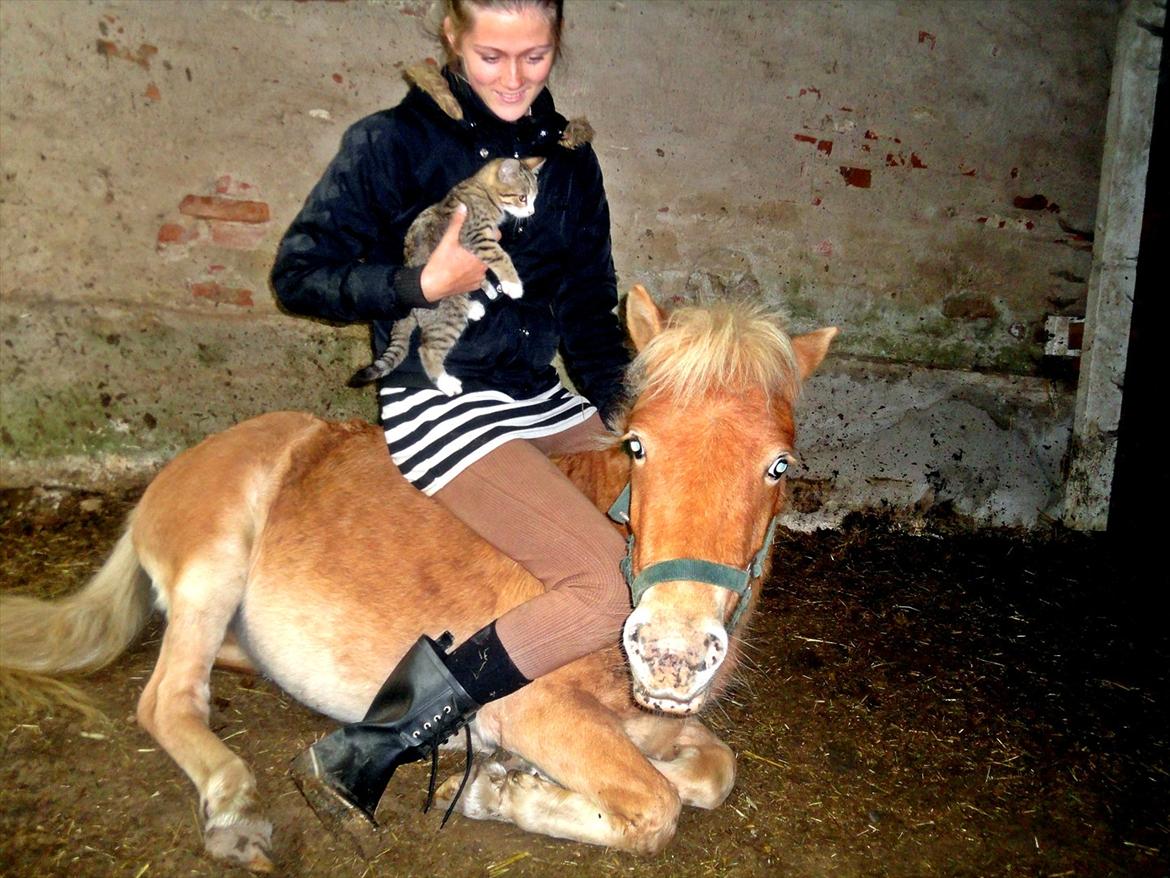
(394, 354)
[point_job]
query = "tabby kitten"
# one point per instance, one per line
(501, 187)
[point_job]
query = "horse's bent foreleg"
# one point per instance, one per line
(701, 767)
(605, 791)
(536, 804)
(174, 708)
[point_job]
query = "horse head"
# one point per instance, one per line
(710, 434)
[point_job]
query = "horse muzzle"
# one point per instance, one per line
(673, 665)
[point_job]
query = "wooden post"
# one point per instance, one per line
(1115, 253)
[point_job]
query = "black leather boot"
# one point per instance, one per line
(422, 703)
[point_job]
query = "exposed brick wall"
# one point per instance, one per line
(230, 217)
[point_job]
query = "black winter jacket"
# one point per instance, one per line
(341, 259)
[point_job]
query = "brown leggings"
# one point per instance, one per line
(518, 501)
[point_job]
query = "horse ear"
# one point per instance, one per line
(644, 319)
(811, 348)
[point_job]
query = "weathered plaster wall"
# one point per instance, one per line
(918, 173)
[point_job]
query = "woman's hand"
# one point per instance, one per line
(451, 269)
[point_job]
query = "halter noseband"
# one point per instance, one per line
(691, 569)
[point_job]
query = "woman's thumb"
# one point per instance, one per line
(457, 219)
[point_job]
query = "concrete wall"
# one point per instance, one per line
(919, 173)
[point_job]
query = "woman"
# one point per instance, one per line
(482, 454)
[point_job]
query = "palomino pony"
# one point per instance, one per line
(295, 540)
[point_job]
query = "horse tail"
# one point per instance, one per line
(82, 632)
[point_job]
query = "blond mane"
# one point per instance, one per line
(729, 347)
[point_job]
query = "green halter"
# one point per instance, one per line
(691, 569)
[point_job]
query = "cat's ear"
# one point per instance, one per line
(533, 163)
(509, 171)
(644, 319)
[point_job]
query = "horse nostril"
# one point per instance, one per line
(716, 647)
(633, 642)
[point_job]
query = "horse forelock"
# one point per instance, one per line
(727, 348)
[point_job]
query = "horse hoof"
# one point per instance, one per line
(481, 797)
(446, 790)
(245, 842)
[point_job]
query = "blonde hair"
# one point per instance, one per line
(460, 14)
(728, 347)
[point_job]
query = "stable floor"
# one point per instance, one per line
(920, 700)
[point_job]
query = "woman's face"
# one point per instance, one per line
(507, 57)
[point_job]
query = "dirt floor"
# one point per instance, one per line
(920, 701)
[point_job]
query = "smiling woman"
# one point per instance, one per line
(506, 56)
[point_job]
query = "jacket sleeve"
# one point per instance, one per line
(592, 341)
(337, 260)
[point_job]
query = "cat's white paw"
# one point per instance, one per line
(512, 290)
(449, 384)
(475, 311)
(489, 289)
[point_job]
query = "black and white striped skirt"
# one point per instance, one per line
(434, 437)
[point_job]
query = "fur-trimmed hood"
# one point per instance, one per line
(342, 257)
(451, 94)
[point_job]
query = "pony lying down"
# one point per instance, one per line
(264, 543)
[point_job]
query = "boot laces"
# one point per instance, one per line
(434, 774)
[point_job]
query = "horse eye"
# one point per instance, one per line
(634, 448)
(779, 465)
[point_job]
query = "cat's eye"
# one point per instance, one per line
(634, 448)
(523, 199)
(777, 468)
